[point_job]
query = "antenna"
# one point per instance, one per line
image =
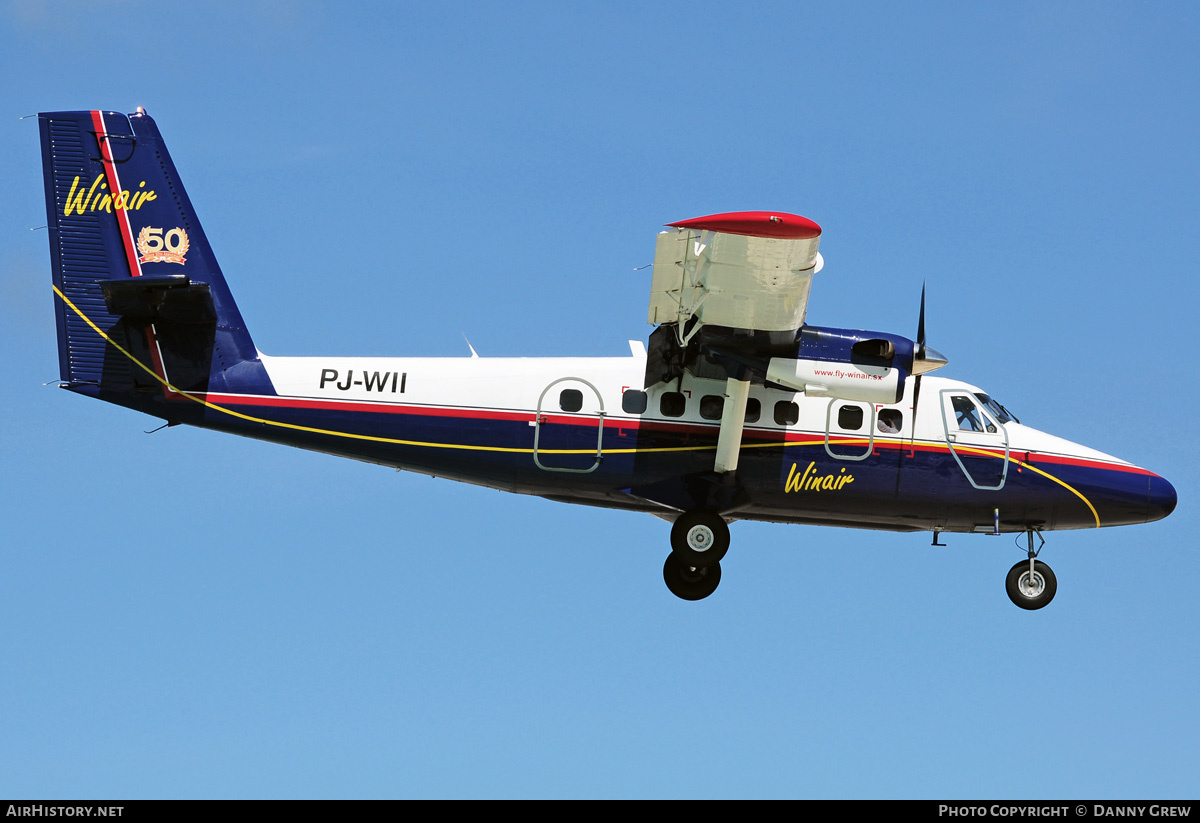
(469, 346)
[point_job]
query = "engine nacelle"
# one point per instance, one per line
(822, 362)
(848, 381)
(851, 365)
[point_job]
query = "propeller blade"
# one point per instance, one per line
(918, 361)
(921, 327)
(916, 398)
(925, 359)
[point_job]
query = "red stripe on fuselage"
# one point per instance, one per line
(474, 414)
(752, 435)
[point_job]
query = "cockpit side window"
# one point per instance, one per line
(966, 414)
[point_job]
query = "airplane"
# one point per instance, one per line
(737, 409)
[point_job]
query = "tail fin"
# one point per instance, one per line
(143, 308)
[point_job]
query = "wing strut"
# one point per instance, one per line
(733, 419)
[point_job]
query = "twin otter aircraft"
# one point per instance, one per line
(737, 410)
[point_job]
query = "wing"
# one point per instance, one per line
(743, 279)
(729, 296)
(743, 270)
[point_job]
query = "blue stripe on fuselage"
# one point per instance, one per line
(906, 488)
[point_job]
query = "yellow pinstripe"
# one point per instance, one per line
(425, 444)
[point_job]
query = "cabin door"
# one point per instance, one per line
(849, 429)
(568, 432)
(978, 441)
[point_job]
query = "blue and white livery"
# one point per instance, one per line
(737, 409)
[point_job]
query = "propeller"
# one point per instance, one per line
(925, 360)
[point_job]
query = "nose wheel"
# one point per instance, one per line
(1031, 589)
(1031, 584)
(699, 539)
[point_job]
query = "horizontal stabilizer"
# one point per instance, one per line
(160, 297)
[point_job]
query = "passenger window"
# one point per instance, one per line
(787, 413)
(571, 400)
(891, 421)
(753, 410)
(633, 401)
(711, 406)
(672, 404)
(850, 418)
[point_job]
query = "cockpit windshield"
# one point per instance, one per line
(996, 410)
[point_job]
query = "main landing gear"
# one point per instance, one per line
(1031, 584)
(699, 539)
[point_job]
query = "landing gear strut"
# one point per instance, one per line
(1031, 584)
(699, 539)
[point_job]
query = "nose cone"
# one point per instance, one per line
(1161, 498)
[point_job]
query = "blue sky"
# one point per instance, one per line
(187, 614)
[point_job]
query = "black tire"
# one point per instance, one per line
(690, 582)
(700, 538)
(1029, 595)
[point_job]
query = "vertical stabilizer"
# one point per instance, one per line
(141, 303)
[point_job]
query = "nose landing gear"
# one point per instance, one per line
(1031, 584)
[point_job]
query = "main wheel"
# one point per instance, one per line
(699, 538)
(1031, 591)
(690, 582)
